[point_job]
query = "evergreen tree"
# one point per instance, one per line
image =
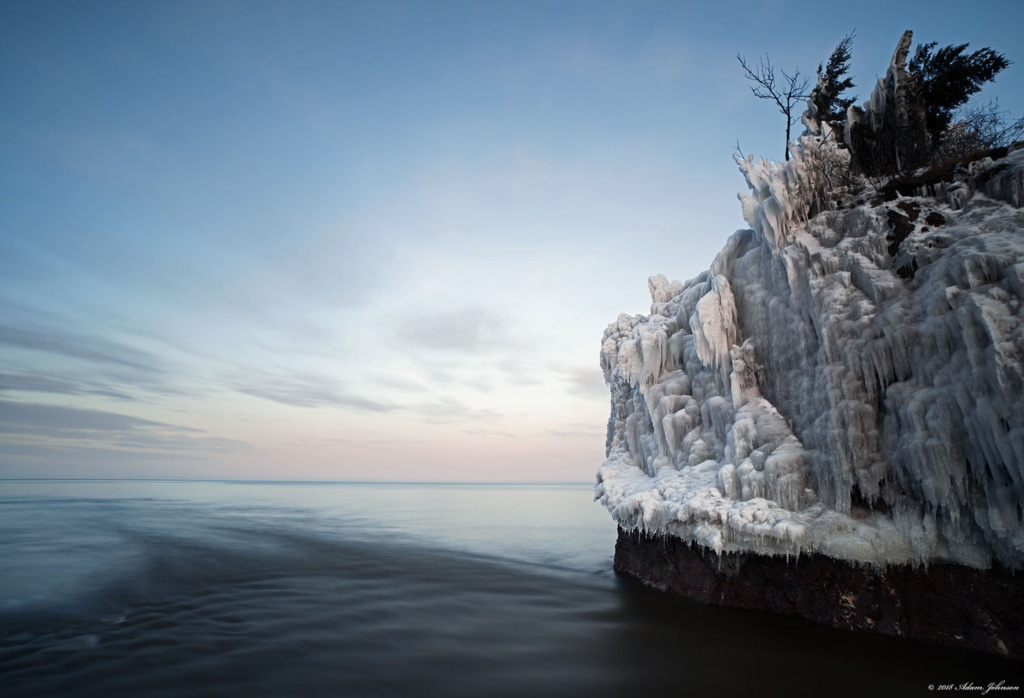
(947, 78)
(834, 78)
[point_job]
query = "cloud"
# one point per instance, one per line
(37, 382)
(519, 372)
(85, 460)
(79, 346)
(55, 420)
(42, 425)
(151, 440)
(579, 430)
(377, 444)
(490, 432)
(42, 354)
(469, 330)
(398, 383)
(309, 390)
(587, 383)
(446, 409)
(312, 390)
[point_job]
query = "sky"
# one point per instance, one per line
(373, 240)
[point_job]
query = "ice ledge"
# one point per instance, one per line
(688, 505)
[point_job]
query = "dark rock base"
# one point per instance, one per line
(947, 604)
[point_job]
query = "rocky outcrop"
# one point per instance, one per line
(948, 604)
(829, 422)
(891, 135)
(847, 383)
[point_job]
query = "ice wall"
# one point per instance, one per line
(846, 378)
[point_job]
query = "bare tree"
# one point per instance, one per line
(787, 93)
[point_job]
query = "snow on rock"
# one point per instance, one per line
(844, 381)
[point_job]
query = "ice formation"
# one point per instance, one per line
(846, 378)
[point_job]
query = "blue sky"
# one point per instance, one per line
(372, 241)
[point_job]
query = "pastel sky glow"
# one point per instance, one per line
(372, 241)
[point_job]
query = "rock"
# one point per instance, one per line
(946, 604)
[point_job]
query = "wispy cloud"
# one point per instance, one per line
(377, 444)
(28, 381)
(446, 409)
(490, 432)
(82, 459)
(48, 352)
(578, 430)
(468, 330)
(38, 425)
(80, 346)
(587, 383)
(55, 420)
(518, 371)
(398, 383)
(303, 389)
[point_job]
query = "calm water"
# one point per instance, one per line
(247, 589)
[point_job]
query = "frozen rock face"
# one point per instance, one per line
(889, 134)
(846, 381)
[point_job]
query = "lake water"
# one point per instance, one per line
(327, 589)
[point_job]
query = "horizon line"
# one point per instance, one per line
(306, 482)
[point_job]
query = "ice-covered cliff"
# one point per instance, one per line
(847, 378)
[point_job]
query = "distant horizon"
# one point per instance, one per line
(305, 482)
